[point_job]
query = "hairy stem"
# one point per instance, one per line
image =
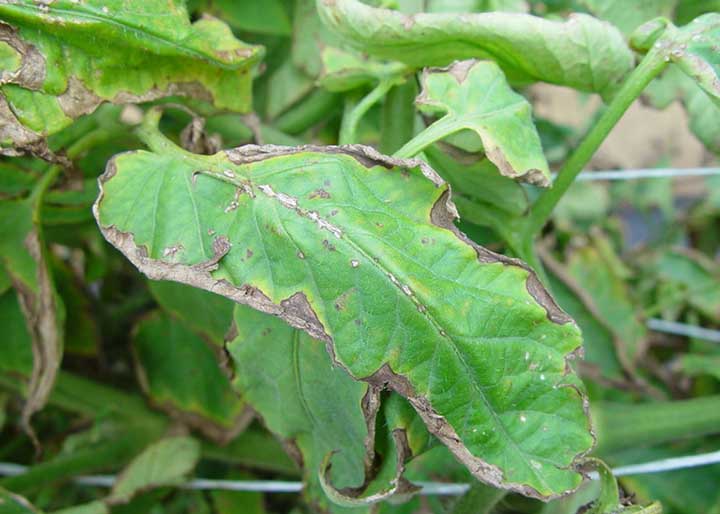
(649, 68)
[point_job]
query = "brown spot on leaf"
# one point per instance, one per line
(319, 193)
(328, 245)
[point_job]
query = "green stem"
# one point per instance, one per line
(315, 108)
(480, 499)
(348, 129)
(621, 426)
(649, 68)
(398, 117)
(435, 132)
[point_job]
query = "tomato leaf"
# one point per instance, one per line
(73, 56)
(583, 52)
(359, 250)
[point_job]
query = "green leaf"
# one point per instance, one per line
(77, 55)
(609, 501)
(482, 195)
(627, 16)
(95, 507)
(208, 315)
(181, 375)
(165, 463)
(343, 70)
(266, 17)
(474, 96)
(17, 350)
(699, 364)
(314, 407)
(583, 53)
(696, 275)
(609, 299)
(15, 504)
(359, 251)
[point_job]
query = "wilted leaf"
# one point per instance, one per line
(474, 96)
(23, 255)
(583, 52)
(74, 56)
(182, 376)
(165, 463)
(359, 251)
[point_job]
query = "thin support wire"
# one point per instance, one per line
(428, 488)
(681, 329)
(647, 173)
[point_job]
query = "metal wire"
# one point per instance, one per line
(681, 329)
(647, 173)
(428, 488)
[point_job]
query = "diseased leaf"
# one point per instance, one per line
(608, 298)
(23, 255)
(181, 375)
(310, 403)
(359, 251)
(583, 52)
(473, 95)
(165, 463)
(609, 501)
(693, 48)
(77, 55)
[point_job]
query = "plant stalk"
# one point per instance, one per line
(649, 68)
(348, 129)
(621, 426)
